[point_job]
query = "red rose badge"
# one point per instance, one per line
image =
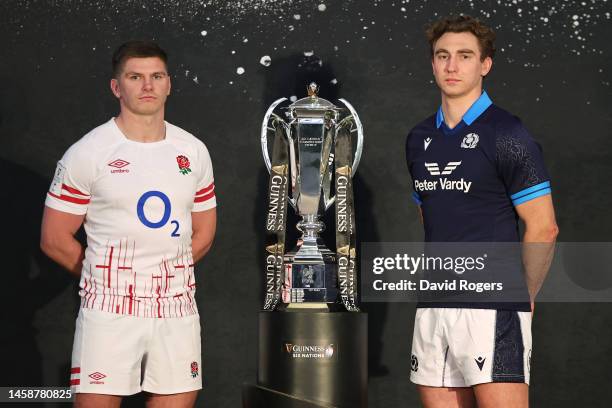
(183, 164)
(194, 369)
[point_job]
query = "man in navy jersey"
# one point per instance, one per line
(476, 171)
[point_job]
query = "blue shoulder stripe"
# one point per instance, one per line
(530, 190)
(531, 196)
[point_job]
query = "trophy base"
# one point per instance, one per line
(311, 359)
(310, 281)
(312, 306)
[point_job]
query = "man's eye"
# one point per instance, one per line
(134, 77)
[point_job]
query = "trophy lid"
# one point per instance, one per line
(312, 104)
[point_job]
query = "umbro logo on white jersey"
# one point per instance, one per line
(434, 170)
(119, 166)
(118, 163)
(426, 142)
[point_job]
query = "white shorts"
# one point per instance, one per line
(465, 347)
(116, 354)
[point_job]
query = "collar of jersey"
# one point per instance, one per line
(477, 108)
(146, 145)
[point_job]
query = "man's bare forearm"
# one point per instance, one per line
(204, 227)
(200, 245)
(68, 253)
(538, 251)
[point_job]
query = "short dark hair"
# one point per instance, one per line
(136, 49)
(462, 24)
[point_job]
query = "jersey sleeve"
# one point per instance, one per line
(521, 165)
(205, 198)
(415, 196)
(70, 190)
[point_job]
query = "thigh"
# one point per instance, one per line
(181, 400)
(97, 400)
(443, 397)
(173, 361)
(107, 353)
(502, 395)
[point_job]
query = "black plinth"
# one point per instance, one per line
(311, 359)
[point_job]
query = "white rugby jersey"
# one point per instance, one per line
(137, 199)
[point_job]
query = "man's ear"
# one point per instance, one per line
(114, 85)
(486, 66)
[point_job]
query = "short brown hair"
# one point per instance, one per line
(462, 24)
(136, 49)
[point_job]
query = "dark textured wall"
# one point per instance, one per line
(552, 69)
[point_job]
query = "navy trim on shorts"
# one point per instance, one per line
(508, 362)
(444, 367)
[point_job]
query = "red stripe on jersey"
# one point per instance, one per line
(206, 189)
(75, 370)
(110, 264)
(70, 199)
(75, 382)
(73, 190)
(204, 198)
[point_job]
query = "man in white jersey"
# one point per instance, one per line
(144, 190)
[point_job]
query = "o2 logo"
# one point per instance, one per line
(164, 219)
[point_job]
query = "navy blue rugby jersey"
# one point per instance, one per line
(469, 179)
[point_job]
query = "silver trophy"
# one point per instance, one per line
(312, 156)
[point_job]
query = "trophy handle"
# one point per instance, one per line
(359, 148)
(264, 132)
(359, 128)
(264, 140)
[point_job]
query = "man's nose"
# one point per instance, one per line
(148, 83)
(451, 64)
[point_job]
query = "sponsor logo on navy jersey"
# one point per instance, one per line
(434, 169)
(442, 183)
